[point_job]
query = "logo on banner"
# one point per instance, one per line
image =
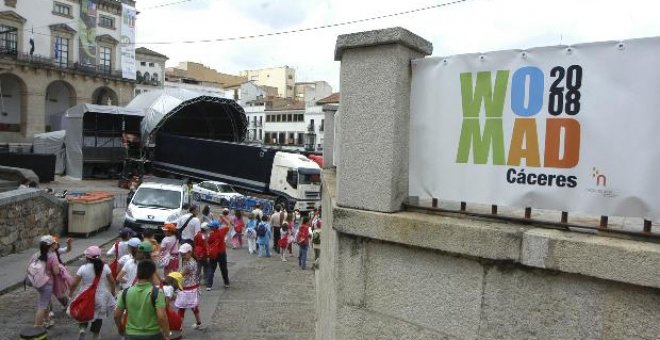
(482, 134)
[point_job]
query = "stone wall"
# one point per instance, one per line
(413, 275)
(387, 273)
(27, 214)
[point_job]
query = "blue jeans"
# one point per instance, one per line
(264, 250)
(302, 256)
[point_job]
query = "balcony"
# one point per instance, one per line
(310, 128)
(36, 60)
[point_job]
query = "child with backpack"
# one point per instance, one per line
(302, 239)
(251, 233)
(283, 242)
(41, 269)
(97, 277)
(238, 226)
(63, 281)
(263, 237)
(172, 286)
(188, 296)
(169, 254)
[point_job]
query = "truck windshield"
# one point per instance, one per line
(309, 176)
(157, 198)
(225, 189)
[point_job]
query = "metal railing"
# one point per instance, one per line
(603, 225)
(47, 62)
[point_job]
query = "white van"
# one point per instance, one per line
(155, 202)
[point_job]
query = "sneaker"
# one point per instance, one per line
(284, 260)
(226, 286)
(208, 289)
(51, 315)
(81, 334)
(197, 326)
(49, 323)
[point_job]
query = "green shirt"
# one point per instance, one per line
(142, 318)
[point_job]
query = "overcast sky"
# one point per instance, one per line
(472, 26)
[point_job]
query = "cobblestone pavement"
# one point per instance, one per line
(268, 299)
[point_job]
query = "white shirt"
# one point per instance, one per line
(129, 266)
(123, 249)
(194, 226)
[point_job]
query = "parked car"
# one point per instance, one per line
(216, 192)
(157, 201)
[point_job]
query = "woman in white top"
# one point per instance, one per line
(105, 292)
(128, 273)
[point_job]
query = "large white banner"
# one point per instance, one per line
(128, 15)
(564, 128)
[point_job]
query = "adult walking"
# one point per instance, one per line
(145, 305)
(41, 271)
(95, 272)
(217, 253)
(188, 225)
(276, 221)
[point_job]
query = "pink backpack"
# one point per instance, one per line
(36, 273)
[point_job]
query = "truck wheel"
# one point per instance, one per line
(283, 202)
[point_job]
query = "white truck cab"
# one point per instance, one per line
(155, 203)
(296, 180)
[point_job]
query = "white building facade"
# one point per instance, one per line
(150, 70)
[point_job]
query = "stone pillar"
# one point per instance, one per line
(375, 77)
(329, 135)
(35, 110)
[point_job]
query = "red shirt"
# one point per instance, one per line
(303, 234)
(200, 250)
(217, 243)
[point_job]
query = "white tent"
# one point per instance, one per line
(51, 143)
(72, 123)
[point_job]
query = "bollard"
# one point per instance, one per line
(33, 333)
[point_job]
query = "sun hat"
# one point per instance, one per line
(169, 227)
(178, 277)
(92, 252)
(134, 242)
(145, 247)
(185, 248)
(204, 226)
(47, 239)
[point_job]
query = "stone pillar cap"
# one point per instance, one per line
(393, 35)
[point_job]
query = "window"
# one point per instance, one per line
(321, 127)
(267, 137)
(279, 118)
(289, 118)
(260, 134)
(152, 64)
(147, 77)
(154, 77)
(105, 59)
(106, 22)
(301, 118)
(289, 87)
(143, 63)
(8, 39)
(61, 9)
(138, 76)
(61, 52)
(290, 76)
(261, 121)
(300, 138)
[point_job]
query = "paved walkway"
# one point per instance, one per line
(268, 299)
